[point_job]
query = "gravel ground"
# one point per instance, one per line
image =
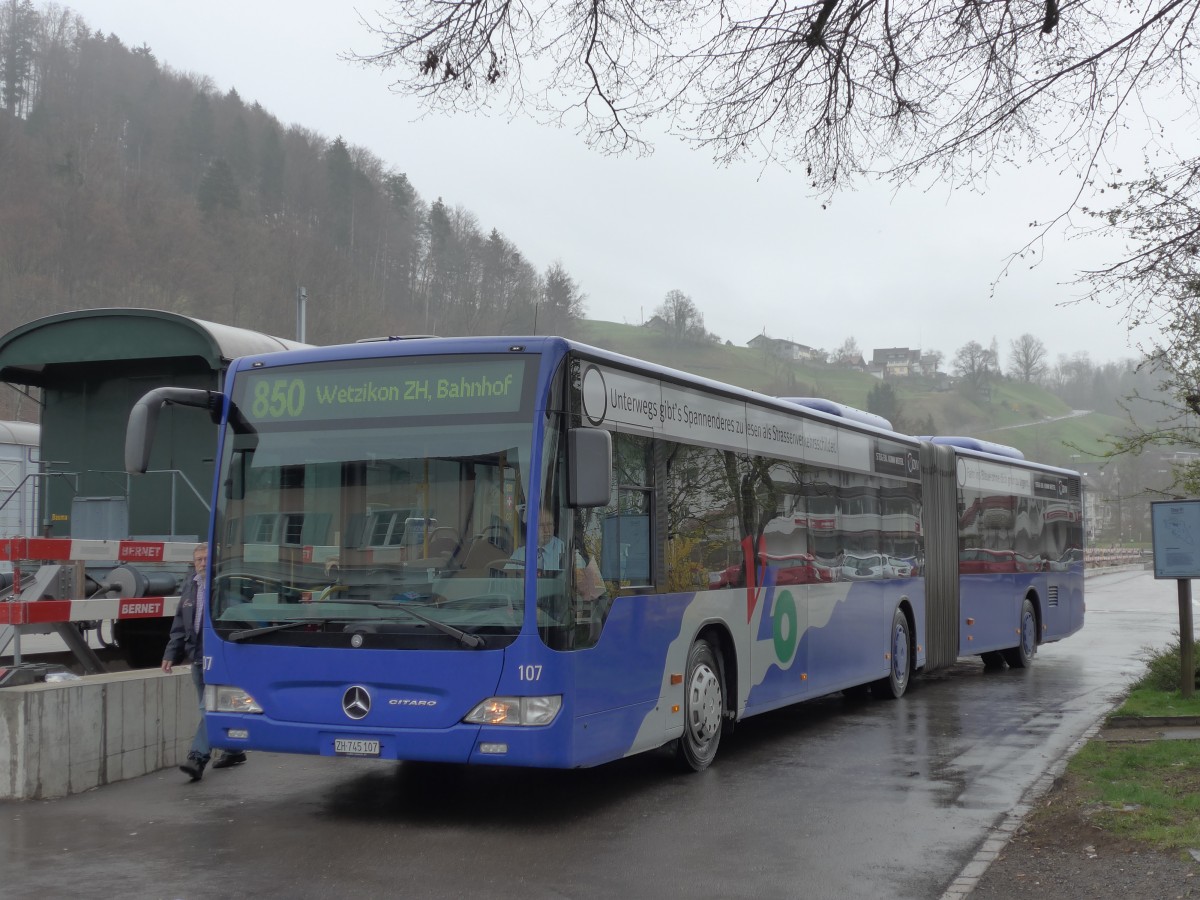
(1059, 853)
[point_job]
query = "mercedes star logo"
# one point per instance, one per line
(356, 702)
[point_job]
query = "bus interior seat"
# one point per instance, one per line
(500, 535)
(443, 541)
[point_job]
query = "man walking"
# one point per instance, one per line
(185, 644)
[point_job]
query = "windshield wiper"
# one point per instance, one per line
(267, 629)
(473, 641)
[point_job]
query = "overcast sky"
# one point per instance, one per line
(750, 247)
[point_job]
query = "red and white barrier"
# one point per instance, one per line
(43, 612)
(70, 550)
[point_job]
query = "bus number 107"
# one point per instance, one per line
(529, 673)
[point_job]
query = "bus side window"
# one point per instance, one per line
(620, 535)
(702, 551)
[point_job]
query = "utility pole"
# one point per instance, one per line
(301, 304)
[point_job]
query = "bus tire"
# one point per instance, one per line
(703, 708)
(1021, 656)
(899, 660)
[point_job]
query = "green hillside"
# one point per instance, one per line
(1082, 438)
(735, 365)
(1025, 416)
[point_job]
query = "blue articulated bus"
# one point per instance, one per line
(532, 552)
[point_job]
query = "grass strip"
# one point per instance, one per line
(1149, 702)
(1147, 791)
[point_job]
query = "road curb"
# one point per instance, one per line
(1153, 721)
(993, 845)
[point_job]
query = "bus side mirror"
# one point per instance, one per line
(143, 420)
(589, 467)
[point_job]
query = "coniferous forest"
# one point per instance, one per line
(125, 183)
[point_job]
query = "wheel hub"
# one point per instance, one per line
(704, 704)
(899, 655)
(1028, 634)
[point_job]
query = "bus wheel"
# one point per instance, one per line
(1021, 656)
(703, 708)
(900, 668)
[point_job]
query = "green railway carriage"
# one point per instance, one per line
(89, 367)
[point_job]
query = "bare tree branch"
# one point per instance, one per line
(845, 88)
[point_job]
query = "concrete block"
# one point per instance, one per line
(12, 738)
(51, 720)
(170, 724)
(85, 730)
(132, 729)
(113, 741)
(66, 737)
(152, 749)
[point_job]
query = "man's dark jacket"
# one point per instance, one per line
(184, 643)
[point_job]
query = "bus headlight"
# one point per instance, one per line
(515, 711)
(222, 698)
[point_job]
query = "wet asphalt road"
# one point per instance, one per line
(833, 799)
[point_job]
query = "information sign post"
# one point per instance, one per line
(1175, 526)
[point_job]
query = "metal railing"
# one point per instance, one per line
(1107, 557)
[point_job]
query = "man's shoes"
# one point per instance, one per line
(230, 759)
(194, 767)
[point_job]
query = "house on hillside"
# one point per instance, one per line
(929, 364)
(901, 362)
(782, 349)
(854, 363)
(656, 323)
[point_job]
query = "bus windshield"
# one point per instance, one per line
(379, 529)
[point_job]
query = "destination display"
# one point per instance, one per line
(684, 414)
(398, 386)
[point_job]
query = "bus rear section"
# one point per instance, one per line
(1006, 557)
